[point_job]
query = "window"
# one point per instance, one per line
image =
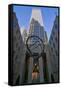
(53, 32)
(56, 52)
(50, 42)
(56, 39)
(56, 26)
(51, 38)
(53, 44)
(16, 45)
(18, 48)
(14, 22)
(14, 51)
(51, 49)
(36, 30)
(19, 37)
(16, 57)
(52, 78)
(54, 56)
(17, 31)
(14, 38)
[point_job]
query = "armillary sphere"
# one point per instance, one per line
(35, 46)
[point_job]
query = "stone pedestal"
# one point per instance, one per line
(48, 62)
(22, 65)
(30, 67)
(41, 70)
(22, 71)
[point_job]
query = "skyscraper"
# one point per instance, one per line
(18, 52)
(36, 24)
(54, 50)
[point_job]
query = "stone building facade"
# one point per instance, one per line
(18, 53)
(54, 50)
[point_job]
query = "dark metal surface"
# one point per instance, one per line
(37, 42)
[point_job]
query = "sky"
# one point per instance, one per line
(23, 14)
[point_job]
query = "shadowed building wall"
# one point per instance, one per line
(54, 50)
(18, 53)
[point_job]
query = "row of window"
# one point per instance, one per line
(53, 41)
(36, 29)
(55, 51)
